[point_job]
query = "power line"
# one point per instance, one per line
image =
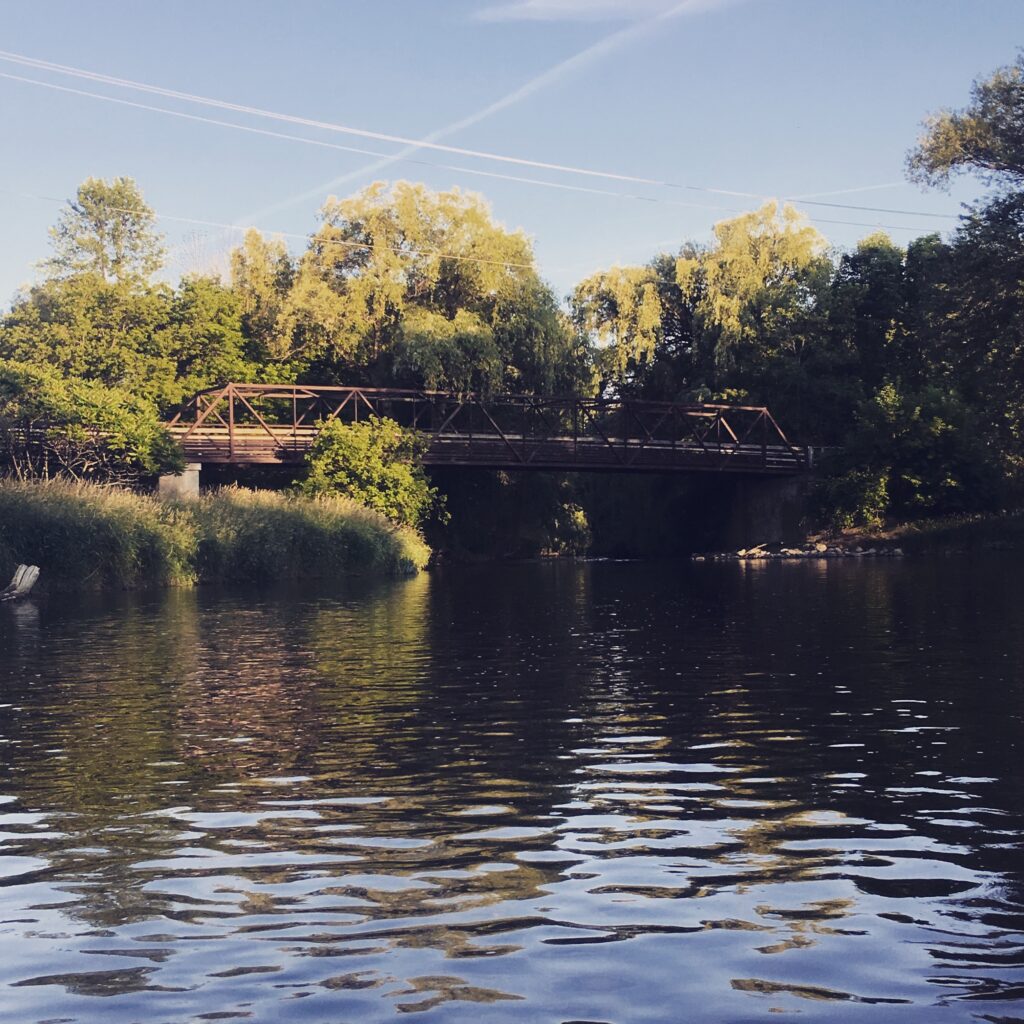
(365, 152)
(585, 189)
(124, 83)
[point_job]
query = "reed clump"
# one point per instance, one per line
(266, 535)
(84, 535)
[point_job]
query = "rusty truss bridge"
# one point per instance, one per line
(248, 424)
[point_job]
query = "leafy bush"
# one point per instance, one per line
(858, 497)
(52, 425)
(571, 535)
(376, 463)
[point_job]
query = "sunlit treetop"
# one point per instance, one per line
(986, 138)
(107, 231)
(759, 273)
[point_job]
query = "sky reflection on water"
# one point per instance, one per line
(547, 792)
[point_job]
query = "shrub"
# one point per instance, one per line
(57, 426)
(858, 497)
(377, 463)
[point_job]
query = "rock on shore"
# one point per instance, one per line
(817, 549)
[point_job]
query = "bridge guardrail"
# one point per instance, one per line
(275, 423)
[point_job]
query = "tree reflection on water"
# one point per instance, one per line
(738, 789)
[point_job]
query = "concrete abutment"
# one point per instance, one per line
(180, 485)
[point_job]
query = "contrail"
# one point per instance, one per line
(603, 46)
(577, 62)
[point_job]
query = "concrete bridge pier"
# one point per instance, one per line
(180, 485)
(767, 510)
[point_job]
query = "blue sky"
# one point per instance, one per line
(767, 97)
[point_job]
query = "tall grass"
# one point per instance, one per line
(257, 535)
(82, 535)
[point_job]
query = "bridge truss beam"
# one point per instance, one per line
(277, 424)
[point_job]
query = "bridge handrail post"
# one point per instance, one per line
(231, 422)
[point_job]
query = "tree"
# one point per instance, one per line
(53, 425)
(91, 329)
(377, 463)
(204, 336)
(982, 331)
(622, 311)
(410, 286)
(756, 286)
(985, 138)
(458, 354)
(107, 231)
(262, 274)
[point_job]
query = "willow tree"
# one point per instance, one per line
(406, 285)
(757, 284)
(621, 311)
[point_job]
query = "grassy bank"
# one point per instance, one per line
(82, 535)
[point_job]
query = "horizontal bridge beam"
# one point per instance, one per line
(277, 424)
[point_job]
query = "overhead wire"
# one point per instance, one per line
(562, 186)
(125, 83)
(360, 151)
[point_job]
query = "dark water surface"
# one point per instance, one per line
(536, 793)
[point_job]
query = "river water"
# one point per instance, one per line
(601, 792)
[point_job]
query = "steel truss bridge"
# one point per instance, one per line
(249, 424)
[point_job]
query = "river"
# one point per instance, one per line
(600, 792)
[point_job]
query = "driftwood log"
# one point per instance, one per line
(23, 581)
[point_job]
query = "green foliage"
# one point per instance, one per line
(756, 288)
(622, 310)
(408, 286)
(55, 425)
(857, 497)
(261, 278)
(571, 534)
(160, 343)
(91, 329)
(986, 137)
(459, 354)
(203, 336)
(82, 535)
(376, 463)
(107, 232)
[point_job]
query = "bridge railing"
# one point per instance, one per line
(278, 423)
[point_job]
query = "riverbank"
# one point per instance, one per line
(86, 536)
(949, 534)
(998, 531)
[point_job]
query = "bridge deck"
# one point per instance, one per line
(277, 424)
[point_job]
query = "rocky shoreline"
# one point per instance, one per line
(818, 549)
